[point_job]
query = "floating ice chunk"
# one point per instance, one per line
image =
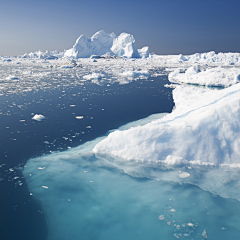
(38, 117)
(46, 187)
(208, 126)
(184, 175)
(79, 117)
(144, 52)
(168, 223)
(161, 217)
(135, 73)
(172, 210)
(12, 77)
(124, 45)
(93, 76)
(190, 224)
(66, 66)
(204, 234)
(220, 77)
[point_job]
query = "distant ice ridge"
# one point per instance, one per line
(204, 130)
(212, 57)
(102, 43)
(218, 77)
(48, 55)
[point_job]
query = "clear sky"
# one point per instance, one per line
(166, 26)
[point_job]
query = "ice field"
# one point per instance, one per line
(131, 166)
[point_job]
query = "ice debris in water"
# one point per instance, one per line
(161, 217)
(184, 175)
(93, 76)
(38, 117)
(204, 234)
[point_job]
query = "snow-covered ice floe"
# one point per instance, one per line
(204, 131)
(216, 77)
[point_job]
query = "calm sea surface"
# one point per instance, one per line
(73, 115)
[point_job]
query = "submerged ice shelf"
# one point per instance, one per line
(82, 195)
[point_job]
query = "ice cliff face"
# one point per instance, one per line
(101, 43)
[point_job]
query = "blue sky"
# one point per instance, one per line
(166, 26)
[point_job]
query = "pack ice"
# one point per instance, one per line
(104, 43)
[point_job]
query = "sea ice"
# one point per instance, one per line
(93, 76)
(38, 117)
(208, 127)
(218, 77)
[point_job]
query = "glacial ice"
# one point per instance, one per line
(105, 44)
(217, 77)
(124, 45)
(99, 44)
(208, 127)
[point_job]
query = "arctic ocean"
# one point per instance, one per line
(107, 141)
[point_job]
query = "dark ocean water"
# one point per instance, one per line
(101, 108)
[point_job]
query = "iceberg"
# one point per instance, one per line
(99, 44)
(124, 45)
(207, 125)
(106, 45)
(144, 52)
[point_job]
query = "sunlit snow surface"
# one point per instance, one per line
(99, 195)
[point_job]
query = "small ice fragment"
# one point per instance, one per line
(223, 228)
(190, 224)
(184, 175)
(15, 177)
(11, 169)
(41, 168)
(79, 117)
(72, 105)
(38, 117)
(46, 142)
(30, 194)
(68, 200)
(173, 210)
(21, 120)
(44, 187)
(90, 181)
(20, 184)
(161, 217)
(85, 171)
(88, 127)
(169, 223)
(204, 234)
